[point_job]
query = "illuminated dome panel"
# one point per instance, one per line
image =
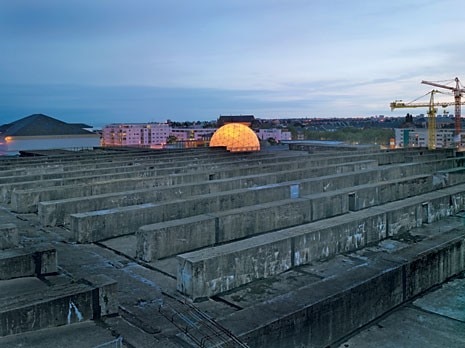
(236, 138)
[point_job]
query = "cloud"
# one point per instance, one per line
(201, 58)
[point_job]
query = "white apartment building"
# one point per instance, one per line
(276, 134)
(186, 134)
(418, 137)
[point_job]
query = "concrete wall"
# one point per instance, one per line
(228, 266)
(27, 262)
(249, 221)
(98, 225)
(25, 196)
(164, 239)
(88, 226)
(57, 305)
(321, 313)
(108, 172)
(52, 212)
(9, 236)
(175, 236)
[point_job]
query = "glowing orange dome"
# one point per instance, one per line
(236, 137)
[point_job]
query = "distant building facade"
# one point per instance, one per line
(274, 133)
(135, 134)
(418, 137)
(41, 132)
(160, 135)
(186, 134)
(150, 134)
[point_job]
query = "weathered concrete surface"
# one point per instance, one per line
(169, 238)
(325, 311)
(78, 335)
(122, 164)
(52, 212)
(197, 277)
(56, 212)
(216, 228)
(163, 166)
(25, 262)
(9, 236)
(56, 305)
(448, 301)
(103, 156)
(248, 221)
(435, 320)
(222, 268)
(144, 287)
(138, 171)
(25, 196)
(128, 219)
(103, 224)
(411, 328)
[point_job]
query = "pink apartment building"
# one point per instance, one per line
(149, 134)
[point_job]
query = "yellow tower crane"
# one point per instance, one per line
(431, 105)
(458, 90)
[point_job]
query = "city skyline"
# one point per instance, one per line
(148, 61)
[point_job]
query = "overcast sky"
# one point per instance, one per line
(103, 61)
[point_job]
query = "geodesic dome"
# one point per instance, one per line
(236, 138)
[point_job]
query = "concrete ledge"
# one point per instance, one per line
(156, 241)
(248, 221)
(25, 262)
(104, 224)
(207, 172)
(58, 305)
(211, 271)
(167, 165)
(9, 236)
(24, 197)
(52, 212)
(208, 271)
(320, 314)
(226, 267)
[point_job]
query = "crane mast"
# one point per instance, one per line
(457, 102)
(431, 115)
(432, 123)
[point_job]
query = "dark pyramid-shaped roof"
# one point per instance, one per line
(38, 124)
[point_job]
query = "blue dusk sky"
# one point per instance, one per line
(104, 61)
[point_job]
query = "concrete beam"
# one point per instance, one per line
(320, 314)
(156, 241)
(169, 238)
(24, 202)
(9, 236)
(25, 262)
(248, 221)
(226, 267)
(102, 224)
(105, 156)
(52, 212)
(131, 165)
(57, 305)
